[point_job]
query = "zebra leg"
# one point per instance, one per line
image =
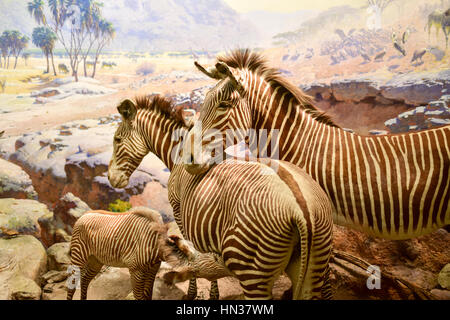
(70, 293)
(214, 292)
(149, 281)
(93, 267)
(192, 290)
(138, 281)
(327, 293)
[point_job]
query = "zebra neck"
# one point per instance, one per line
(162, 135)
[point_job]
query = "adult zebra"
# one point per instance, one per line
(392, 186)
(260, 224)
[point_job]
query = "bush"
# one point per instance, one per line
(119, 206)
(146, 68)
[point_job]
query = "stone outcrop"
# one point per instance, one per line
(22, 262)
(434, 114)
(20, 216)
(57, 226)
(413, 89)
(58, 256)
(14, 182)
(59, 162)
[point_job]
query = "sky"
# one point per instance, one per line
(289, 5)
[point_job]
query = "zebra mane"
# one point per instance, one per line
(162, 105)
(255, 62)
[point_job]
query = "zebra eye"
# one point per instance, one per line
(117, 139)
(224, 105)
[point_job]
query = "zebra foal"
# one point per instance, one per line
(135, 240)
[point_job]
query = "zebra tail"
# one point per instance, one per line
(298, 268)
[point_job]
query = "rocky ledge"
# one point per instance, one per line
(412, 89)
(74, 158)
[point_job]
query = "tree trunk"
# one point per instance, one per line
(84, 63)
(7, 65)
(15, 62)
(95, 67)
(48, 65)
(53, 63)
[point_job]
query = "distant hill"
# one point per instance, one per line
(272, 23)
(155, 25)
(178, 25)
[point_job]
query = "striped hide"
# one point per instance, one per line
(391, 186)
(261, 222)
(133, 240)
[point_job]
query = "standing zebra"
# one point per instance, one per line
(259, 224)
(392, 186)
(135, 240)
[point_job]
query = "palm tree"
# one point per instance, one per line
(37, 38)
(19, 42)
(7, 45)
(45, 39)
(4, 48)
(36, 10)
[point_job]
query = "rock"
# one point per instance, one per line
(77, 163)
(22, 262)
(378, 132)
(54, 276)
(110, 284)
(14, 182)
(416, 88)
(354, 90)
(155, 197)
(434, 114)
(58, 256)
(444, 277)
(22, 288)
(441, 294)
(22, 215)
(417, 260)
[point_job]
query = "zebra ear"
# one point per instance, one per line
(222, 68)
(127, 109)
(211, 72)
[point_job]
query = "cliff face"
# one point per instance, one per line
(373, 101)
(74, 158)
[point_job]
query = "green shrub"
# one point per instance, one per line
(119, 206)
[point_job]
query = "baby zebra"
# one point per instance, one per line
(136, 240)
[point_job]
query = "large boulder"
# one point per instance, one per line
(58, 256)
(21, 216)
(444, 277)
(14, 182)
(23, 261)
(57, 226)
(110, 284)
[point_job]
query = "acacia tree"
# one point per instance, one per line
(103, 36)
(73, 21)
(376, 8)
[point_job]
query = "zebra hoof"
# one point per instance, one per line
(287, 295)
(188, 297)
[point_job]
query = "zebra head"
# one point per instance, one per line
(129, 147)
(223, 111)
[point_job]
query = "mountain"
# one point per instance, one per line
(272, 23)
(178, 25)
